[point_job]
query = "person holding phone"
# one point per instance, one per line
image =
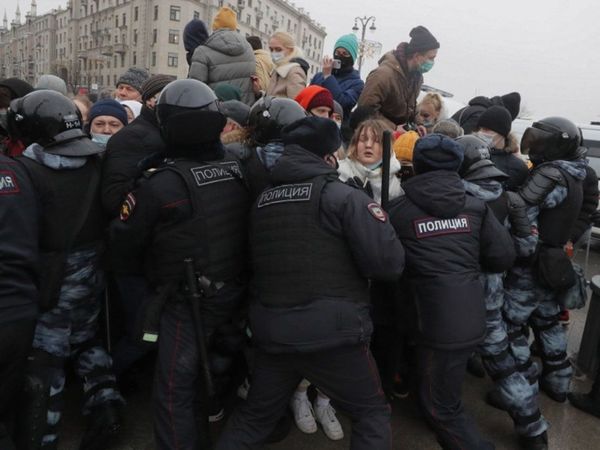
(339, 76)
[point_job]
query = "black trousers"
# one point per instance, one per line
(15, 346)
(347, 375)
(442, 374)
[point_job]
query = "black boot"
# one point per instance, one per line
(539, 442)
(586, 402)
(559, 397)
(103, 424)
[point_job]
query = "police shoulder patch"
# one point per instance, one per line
(127, 207)
(377, 211)
(8, 183)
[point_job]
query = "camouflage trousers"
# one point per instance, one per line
(68, 332)
(526, 302)
(520, 397)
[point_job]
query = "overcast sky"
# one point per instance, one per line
(548, 50)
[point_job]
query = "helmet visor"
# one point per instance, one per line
(535, 140)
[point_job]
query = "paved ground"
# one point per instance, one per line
(570, 428)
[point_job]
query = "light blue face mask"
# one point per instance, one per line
(426, 66)
(101, 139)
(277, 56)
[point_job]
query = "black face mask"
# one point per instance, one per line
(346, 61)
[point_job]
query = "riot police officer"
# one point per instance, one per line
(449, 237)
(512, 390)
(193, 206)
(553, 193)
(64, 166)
(268, 116)
(314, 243)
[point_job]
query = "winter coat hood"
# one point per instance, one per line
(439, 193)
(227, 42)
(297, 164)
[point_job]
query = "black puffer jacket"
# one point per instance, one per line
(511, 165)
(137, 141)
(449, 237)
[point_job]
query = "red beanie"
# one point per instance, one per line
(314, 96)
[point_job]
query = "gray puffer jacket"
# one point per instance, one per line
(227, 57)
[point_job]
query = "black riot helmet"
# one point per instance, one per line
(51, 120)
(552, 139)
(188, 116)
(477, 164)
(270, 114)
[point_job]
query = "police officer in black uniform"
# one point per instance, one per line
(314, 243)
(18, 286)
(194, 205)
(449, 237)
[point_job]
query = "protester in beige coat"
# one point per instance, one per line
(288, 78)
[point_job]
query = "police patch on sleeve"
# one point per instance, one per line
(8, 183)
(127, 207)
(377, 211)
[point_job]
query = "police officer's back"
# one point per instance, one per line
(194, 206)
(448, 236)
(64, 166)
(314, 243)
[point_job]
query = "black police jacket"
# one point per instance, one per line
(125, 151)
(513, 166)
(19, 219)
(449, 237)
(314, 243)
(187, 208)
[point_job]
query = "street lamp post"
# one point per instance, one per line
(364, 22)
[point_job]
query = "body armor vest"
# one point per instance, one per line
(296, 261)
(215, 234)
(555, 224)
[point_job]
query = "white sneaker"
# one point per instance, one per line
(331, 426)
(304, 416)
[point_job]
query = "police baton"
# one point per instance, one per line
(385, 169)
(195, 297)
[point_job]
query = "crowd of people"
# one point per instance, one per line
(248, 231)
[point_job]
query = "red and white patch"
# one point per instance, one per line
(377, 211)
(127, 207)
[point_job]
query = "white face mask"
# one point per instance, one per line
(101, 139)
(277, 56)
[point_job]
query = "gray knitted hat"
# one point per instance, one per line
(134, 77)
(53, 83)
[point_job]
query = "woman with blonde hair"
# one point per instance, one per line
(365, 158)
(288, 78)
(430, 110)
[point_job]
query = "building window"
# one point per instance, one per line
(248, 19)
(124, 19)
(155, 12)
(135, 37)
(172, 60)
(173, 36)
(116, 21)
(175, 13)
(134, 58)
(153, 59)
(115, 61)
(154, 36)
(136, 12)
(196, 15)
